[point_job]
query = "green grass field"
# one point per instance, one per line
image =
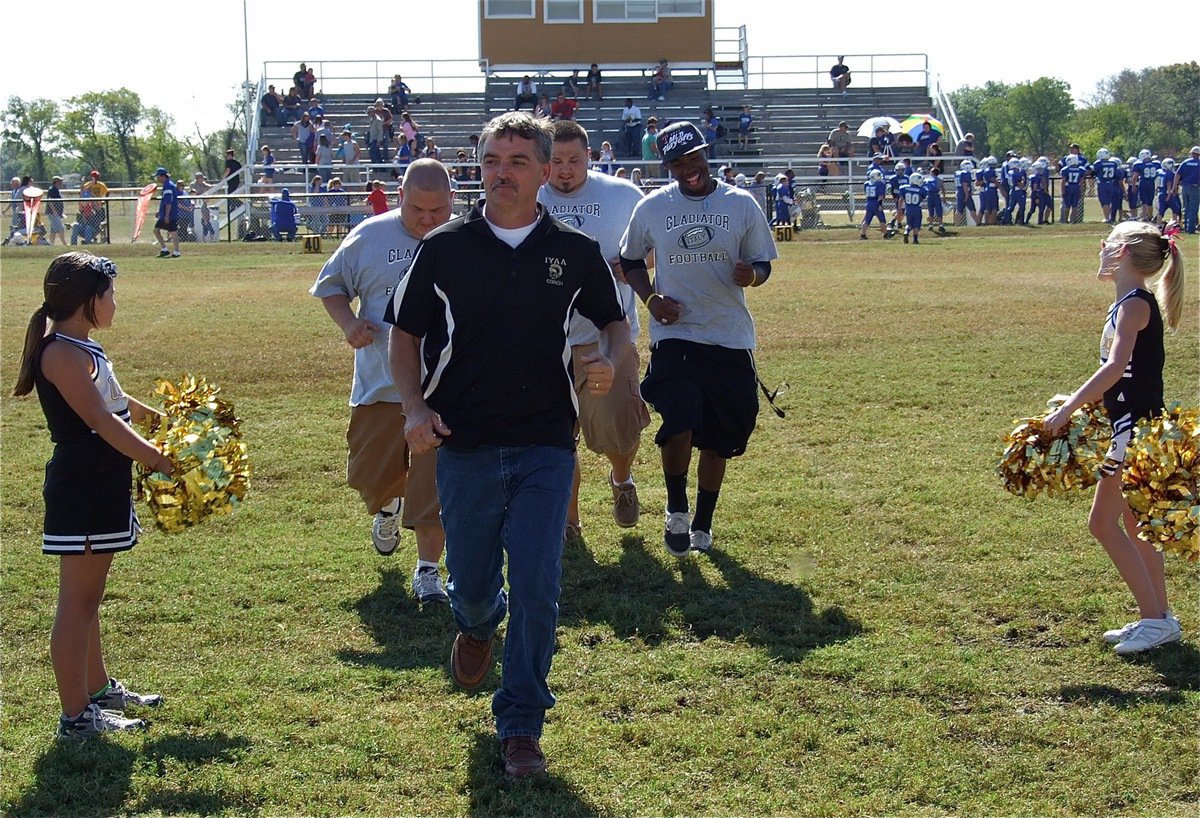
(880, 629)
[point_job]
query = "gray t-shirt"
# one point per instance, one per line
(696, 243)
(600, 208)
(368, 266)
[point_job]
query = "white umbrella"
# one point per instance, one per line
(869, 125)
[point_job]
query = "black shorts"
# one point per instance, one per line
(163, 224)
(710, 390)
(88, 497)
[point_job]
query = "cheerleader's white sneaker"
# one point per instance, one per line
(1148, 634)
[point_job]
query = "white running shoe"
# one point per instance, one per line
(427, 586)
(94, 721)
(385, 532)
(1117, 635)
(676, 536)
(701, 541)
(1148, 634)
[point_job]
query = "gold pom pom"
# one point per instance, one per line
(201, 434)
(1162, 469)
(1034, 463)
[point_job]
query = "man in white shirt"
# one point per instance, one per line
(631, 129)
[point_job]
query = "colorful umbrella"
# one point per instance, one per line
(913, 124)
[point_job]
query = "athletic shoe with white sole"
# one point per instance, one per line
(626, 507)
(701, 541)
(117, 697)
(385, 532)
(94, 721)
(1116, 635)
(427, 586)
(1148, 634)
(676, 536)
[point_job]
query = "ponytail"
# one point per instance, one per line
(33, 337)
(1170, 289)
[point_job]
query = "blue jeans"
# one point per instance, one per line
(508, 499)
(1191, 205)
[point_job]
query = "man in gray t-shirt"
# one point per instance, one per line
(369, 266)
(600, 206)
(710, 242)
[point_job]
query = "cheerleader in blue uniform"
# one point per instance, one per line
(88, 488)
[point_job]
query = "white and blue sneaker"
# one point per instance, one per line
(676, 535)
(385, 532)
(1148, 634)
(94, 721)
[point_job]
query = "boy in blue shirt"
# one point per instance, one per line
(873, 190)
(1168, 198)
(168, 215)
(912, 193)
(896, 180)
(989, 193)
(1073, 174)
(933, 193)
(1108, 172)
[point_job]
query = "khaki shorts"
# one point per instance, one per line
(613, 423)
(378, 465)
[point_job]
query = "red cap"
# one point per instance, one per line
(96, 174)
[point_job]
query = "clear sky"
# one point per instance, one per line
(123, 45)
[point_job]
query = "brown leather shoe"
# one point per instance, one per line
(625, 503)
(470, 661)
(522, 756)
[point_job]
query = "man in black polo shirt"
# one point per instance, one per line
(479, 352)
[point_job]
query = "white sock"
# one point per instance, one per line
(615, 484)
(425, 564)
(392, 507)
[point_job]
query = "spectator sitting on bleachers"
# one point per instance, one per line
(905, 147)
(473, 153)
(595, 82)
(542, 109)
(925, 139)
(713, 131)
(290, 109)
(271, 108)
(562, 107)
(315, 109)
(379, 120)
(399, 92)
(409, 132)
(881, 143)
(824, 152)
(660, 81)
(526, 92)
(404, 156)
(839, 75)
(745, 123)
(461, 167)
(570, 86)
(431, 150)
(283, 216)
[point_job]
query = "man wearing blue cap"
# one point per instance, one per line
(168, 215)
(710, 242)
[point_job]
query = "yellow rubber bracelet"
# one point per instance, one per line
(650, 298)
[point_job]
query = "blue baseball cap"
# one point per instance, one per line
(161, 172)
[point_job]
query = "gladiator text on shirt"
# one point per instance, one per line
(684, 219)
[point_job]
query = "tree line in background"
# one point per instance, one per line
(115, 133)
(112, 132)
(1155, 108)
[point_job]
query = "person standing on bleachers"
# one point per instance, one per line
(631, 128)
(379, 118)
